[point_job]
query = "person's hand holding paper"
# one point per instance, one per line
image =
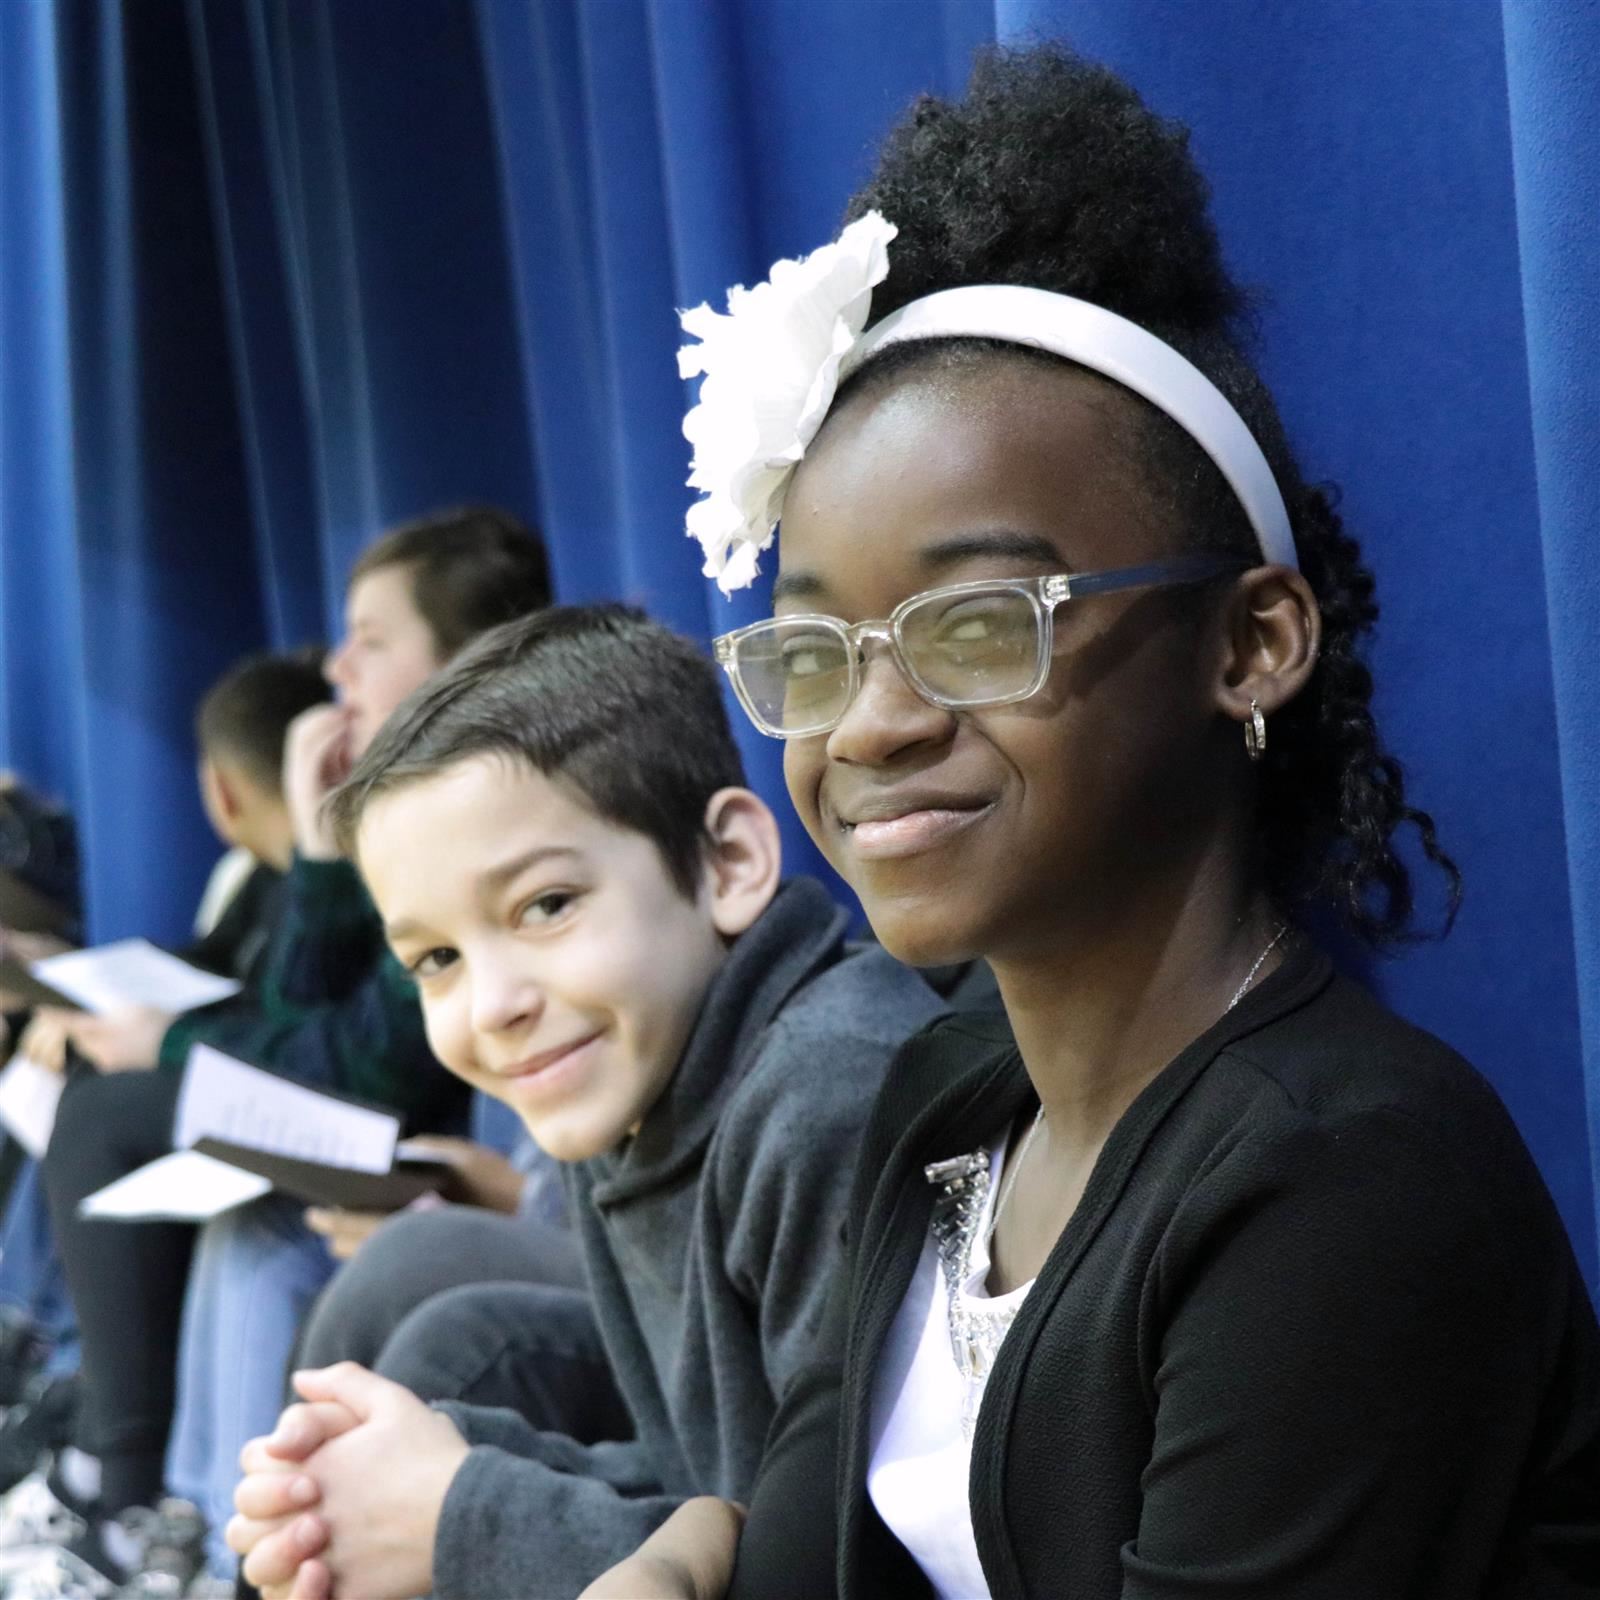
(125, 1040)
(479, 1176)
(344, 1232)
(44, 1041)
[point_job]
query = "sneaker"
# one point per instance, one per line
(39, 1424)
(171, 1542)
(23, 1348)
(207, 1586)
(57, 1574)
(163, 1544)
(35, 1513)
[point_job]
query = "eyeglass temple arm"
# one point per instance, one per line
(1181, 569)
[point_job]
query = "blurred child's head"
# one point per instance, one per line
(557, 834)
(419, 593)
(239, 728)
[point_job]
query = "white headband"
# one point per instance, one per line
(774, 363)
(1122, 350)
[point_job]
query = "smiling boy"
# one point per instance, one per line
(565, 856)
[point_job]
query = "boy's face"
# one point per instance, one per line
(387, 651)
(560, 967)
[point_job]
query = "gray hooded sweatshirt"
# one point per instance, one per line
(709, 1240)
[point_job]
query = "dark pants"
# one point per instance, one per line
(126, 1278)
(467, 1305)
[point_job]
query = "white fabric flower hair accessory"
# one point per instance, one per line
(770, 368)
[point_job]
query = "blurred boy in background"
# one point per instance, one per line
(240, 729)
(329, 1008)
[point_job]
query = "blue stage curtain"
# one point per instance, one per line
(1430, 325)
(655, 151)
(254, 304)
(277, 271)
(1553, 70)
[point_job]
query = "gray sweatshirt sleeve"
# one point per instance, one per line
(527, 1502)
(622, 1464)
(783, 1163)
(537, 1514)
(542, 1528)
(784, 1157)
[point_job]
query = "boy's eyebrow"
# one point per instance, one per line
(493, 878)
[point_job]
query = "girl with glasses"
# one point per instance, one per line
(1198, 1273)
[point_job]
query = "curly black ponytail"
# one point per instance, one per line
(1332, 798)
(1051, 172)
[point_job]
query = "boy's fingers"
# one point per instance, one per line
(349, 1385)
(312, 1582)
(295, 1436)
(271, 1495)
(243, 1533)
(275, 1558)
(256, 1457)
(304, 1428)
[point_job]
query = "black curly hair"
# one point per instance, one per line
(1051, 172)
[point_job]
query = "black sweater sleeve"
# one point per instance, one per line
(1334, 1324)
(787, 1549)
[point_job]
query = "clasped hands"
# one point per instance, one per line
(342, 1502)
(344, 1496)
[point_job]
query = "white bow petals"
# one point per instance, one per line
(770, 367)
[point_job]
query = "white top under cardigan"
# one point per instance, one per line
(921, 1454)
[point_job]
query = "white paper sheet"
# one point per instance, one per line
(131, 972)
(29, 1095)
(182, 1187)
(223, 1098)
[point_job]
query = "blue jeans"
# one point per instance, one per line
(256, 1271)
(31, 1278)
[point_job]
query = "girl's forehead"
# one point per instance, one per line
(1020, 455)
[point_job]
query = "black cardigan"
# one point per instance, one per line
(1315, 1332)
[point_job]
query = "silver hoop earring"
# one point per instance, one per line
(1255, 733)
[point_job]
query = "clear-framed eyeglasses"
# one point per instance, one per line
(962, 646)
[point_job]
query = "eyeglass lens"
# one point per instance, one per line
(965, 649)
(968, 648)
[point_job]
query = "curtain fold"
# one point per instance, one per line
(1362, 161)
(276, 272)
(652, 153)
(1553, 69)
(130, 588)
(255, 306)
(42, 725)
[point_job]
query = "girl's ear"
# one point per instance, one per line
(1272, 633)
(744, 859)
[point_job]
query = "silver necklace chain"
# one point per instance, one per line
(976, 1328)
(1015, 1167)
(1250, 976)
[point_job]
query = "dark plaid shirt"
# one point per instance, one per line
(328, 1005)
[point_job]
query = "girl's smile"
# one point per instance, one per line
(905, 822)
